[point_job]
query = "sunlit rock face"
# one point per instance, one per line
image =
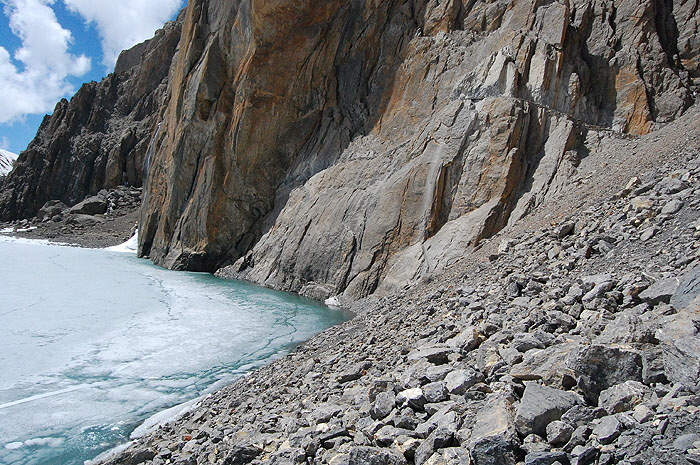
(353, 147)
(358, 146)
(98, 139)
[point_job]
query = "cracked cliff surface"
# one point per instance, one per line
(353, 148)
(360, 147)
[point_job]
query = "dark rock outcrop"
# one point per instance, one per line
(97, 140)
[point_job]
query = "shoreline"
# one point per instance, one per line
(81, 227)
(416, 376)
(162, 417)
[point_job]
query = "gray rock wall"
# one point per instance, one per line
(97, 140)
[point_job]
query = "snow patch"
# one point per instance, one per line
(7, 161)
(150, 424)
(161, 418)
(130, 246)
(21, 240)
(50, 442)
(6, 236)
(333, 302)
(108, 454)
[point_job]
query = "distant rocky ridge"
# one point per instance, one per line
(99, 139)
(7, 161)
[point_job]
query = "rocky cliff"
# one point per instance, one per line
(574, 343)
(99, 138)
(356, 147)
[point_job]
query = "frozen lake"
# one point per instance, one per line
(94, 342)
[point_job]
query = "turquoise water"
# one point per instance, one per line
(92, 343)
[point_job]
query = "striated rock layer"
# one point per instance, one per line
(355, 147)
(98, 139)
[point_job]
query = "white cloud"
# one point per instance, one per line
(123, 24)
(36, 85)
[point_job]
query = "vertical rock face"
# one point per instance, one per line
(357, 146)
(98, 139)
(262, 96)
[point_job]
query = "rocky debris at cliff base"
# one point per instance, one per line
(105, 219)
(551, 350)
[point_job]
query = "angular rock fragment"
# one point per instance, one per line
(363, 455)
(547, 458)
(383, 405)
(435, 392)
(51, 209)
(687, 290)
(435, 355)
(681, 346)
(660, 291)
(672, 207)
(599, 367)
(441, 437)
(413, 398)
(549, 365)
(94, 205)
(354, 372)
(608, 429)
(494, 440)
(450, 456)
(459, 381)
(467, 340)
(624, 396)
(559, 432)
(541, 405)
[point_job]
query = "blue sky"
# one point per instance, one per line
(48, 48)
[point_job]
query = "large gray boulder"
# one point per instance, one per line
(383, 405)
(680, 344)
(363, 455)
(598, 367)
(459, 381)
(624, 396)
(51, 209)
(687, 290)
(549, 365)
(540, 406)
(494, 439)
(94, 205)
(660, 291)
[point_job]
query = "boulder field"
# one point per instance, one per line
(570, 339)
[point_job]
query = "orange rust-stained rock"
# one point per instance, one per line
(351, 147)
